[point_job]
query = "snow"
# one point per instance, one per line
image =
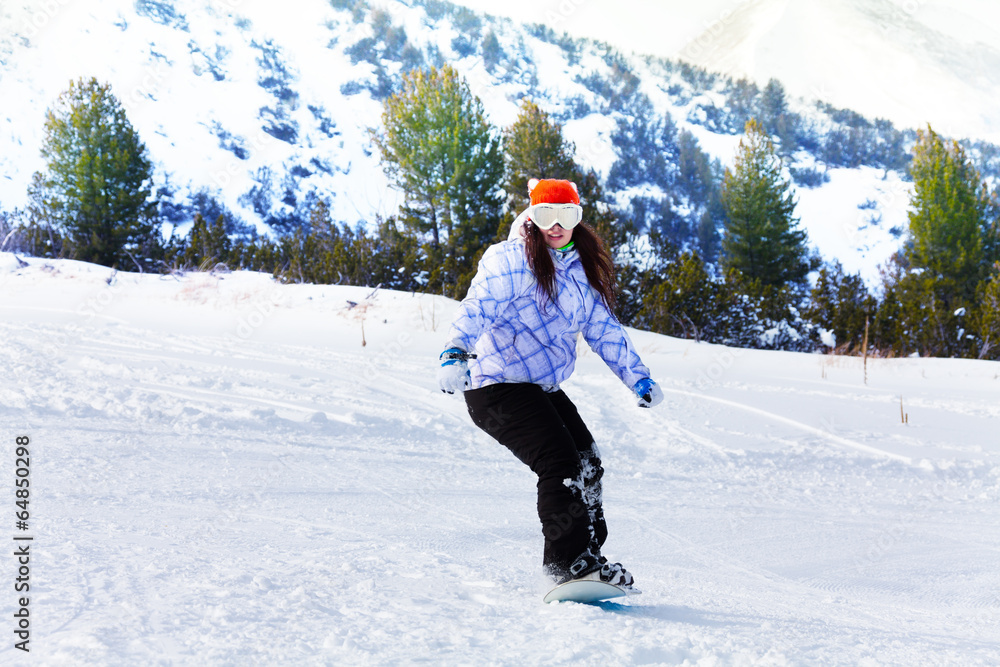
(160, 74)
(860, 238)
(828, 338)
(227, 470)
(591, 135)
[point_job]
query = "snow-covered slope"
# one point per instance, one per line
(912, 62)
(225, 470)
(201, 83)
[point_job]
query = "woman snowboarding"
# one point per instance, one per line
(511, 345)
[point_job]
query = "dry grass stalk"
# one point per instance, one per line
(864, 345)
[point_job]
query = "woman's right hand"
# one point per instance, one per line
(454, 372)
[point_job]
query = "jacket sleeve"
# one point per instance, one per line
(499, 278)
(608, 338)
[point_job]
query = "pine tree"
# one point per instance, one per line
(493, 53)
(647, 151)
(699, 179)
(948, 215)
(207, 245)
(96, 190)
(947, 256)
(679, 299)
(762, 240)
(986, 318)
(889, 334)
(841, 304)
(991, 231)
(774, 113)
(439, 150)
(534, 147)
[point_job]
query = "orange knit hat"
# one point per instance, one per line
(552, 191)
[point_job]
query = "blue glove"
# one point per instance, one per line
(649, 393)
(454, 372)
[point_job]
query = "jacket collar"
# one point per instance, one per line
(564, 257)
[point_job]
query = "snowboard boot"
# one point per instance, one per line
(615, 574)
(599, 568)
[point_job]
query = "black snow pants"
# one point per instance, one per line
(545, 432)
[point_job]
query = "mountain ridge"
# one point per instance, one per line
(762, 39)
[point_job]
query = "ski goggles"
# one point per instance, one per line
(545, 216)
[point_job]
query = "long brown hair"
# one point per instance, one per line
(594, 256)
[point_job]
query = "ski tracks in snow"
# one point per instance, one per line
(303, 499)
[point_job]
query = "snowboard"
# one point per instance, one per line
(586, 590)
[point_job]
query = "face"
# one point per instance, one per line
(556, 237)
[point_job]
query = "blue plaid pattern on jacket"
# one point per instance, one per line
(519, 335)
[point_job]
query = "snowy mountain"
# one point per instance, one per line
(268, 109)
(912, 62)
(230, 97)
(227, 470)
